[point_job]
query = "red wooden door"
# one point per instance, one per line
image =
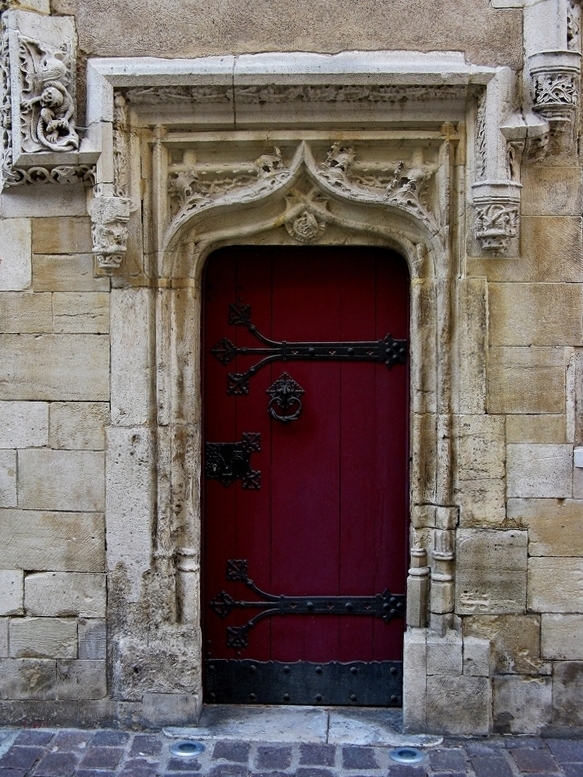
(305, 514)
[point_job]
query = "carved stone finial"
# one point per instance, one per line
(109, 231)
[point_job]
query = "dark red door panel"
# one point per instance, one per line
(314, 507)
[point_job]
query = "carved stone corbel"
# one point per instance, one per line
(40, 142)
(496, 192)
(109, 230)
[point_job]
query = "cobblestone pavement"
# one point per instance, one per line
(106, 753)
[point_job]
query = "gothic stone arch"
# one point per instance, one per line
(357, 148)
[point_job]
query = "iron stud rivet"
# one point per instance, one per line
(311, 351)
(354, 670)
(318, 697)
(286, 696)
(393, 698)
(353, 697)
(310, 605)
(253, 668)
(286, 669)
(252, 696)
(186, 749)
(350, 350)
(393, 670)
(318, 670)
(348, 605)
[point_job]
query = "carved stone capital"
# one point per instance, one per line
(555, 84)
(497, 215)
(109, 231)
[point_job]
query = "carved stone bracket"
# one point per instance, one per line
(109, 231)
(497, 215)
(40, 142)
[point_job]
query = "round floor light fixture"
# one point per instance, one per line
(406, 755)
(186, 748)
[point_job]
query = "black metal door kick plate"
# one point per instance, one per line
(358, 683)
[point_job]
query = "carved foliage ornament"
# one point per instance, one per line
(555, 84)
(109, 230)
(496, 224)
(194, 186)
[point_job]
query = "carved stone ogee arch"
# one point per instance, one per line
(154, 442)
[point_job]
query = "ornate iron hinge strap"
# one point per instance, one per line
(386, 605)
(387, 351)
(230, 461)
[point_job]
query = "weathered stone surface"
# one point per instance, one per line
(477, 657)
(458, 705)
(521, 705)
(480, 447)
(482, 502)
(4, 637)
(536, 428)
(514, 640)
(167, 709)
(43, 638)
(562, 637)
(131, 401)
(92, 639)
(491, 571)
(65, 594)
(40, 6)
(7, 478)
(487, 36)
(130, 504)
(26, 313)
(24, 424)
(550, 191)
(472, 348)
(78, 425)
(27, 679)
(444, 654)
(555, 584)
(15, 254)
(42, 200)
(555, 526)
(73, 542)
(536, 314)
(81, 680)
(66, 273)
(61, 236)
(551, 252)
(61, 480)
(526, 380)
(41, 367)
(567, 694)
(539, 470)
(11, 591)
(415, 680)
(80, 312)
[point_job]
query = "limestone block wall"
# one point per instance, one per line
(54, 403)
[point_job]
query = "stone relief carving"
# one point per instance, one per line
(38, 103)
(279, 93)
(195, 185)
(47, 106)
(155, 95)
(121, 150)
(574, 26)
(109, 230)
(481, 137)
(401, 184)
(496, 224)
(304, 216)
